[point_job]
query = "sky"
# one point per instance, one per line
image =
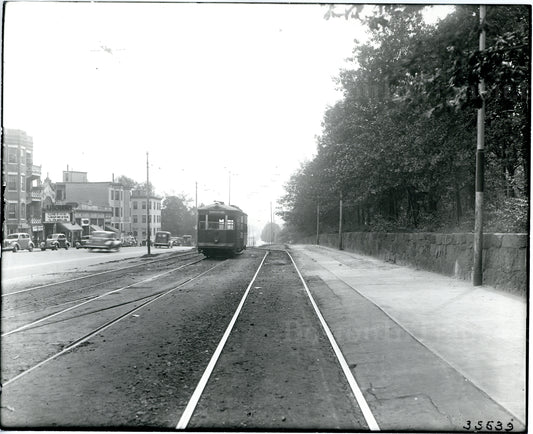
(228, 97)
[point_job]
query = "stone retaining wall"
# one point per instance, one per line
(505, 256)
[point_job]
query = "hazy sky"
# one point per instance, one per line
(206, 89)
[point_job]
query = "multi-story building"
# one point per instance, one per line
(24, 193)
(140, 215)
(105, 195)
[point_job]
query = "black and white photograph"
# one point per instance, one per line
(265, 216)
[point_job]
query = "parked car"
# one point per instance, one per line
(18, 241)
(55, 241)
(163, 239)
(129, 241)
(103, 240)
(82, 244)
(177, 241)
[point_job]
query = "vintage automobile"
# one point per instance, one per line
(55, 241)
(18, 241)
(129, 241)
(163, 239)
(82, 243)
(104, 240)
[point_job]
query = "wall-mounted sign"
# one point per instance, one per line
(53, 217)
(85, 222)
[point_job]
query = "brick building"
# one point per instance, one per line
(23, 194)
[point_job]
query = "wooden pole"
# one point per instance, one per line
(340, 223)
(477, 272)
(147, 204)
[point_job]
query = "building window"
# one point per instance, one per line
(144, 218)
(111, 195)
(117, 212)
(134, 219)
(23, 210)
(12, 210)
(121, 211)
(134, 204)
(12, 182)
(120, 194)
(12, 156)
(135, 234)
(144, 205)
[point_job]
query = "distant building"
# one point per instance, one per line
(139, 214)
(23, 194)
(100, 197)
(72, 176)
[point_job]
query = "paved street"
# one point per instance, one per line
(180, 341)
(25, 265)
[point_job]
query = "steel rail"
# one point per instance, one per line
(26, 326)
(97, 274)
(193, 401)
(103, 327)
(361, 401)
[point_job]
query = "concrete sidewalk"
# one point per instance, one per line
(479, 331)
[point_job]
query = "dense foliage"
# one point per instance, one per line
(400, 145)
(177, 217)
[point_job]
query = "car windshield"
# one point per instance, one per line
(13, 237)
(103, 234)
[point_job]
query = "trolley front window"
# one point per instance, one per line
(216, 221)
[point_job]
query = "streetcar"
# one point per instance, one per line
(222, 230)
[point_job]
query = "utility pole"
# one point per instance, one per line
(148, 242)
(271, 226)
(196, 207)
(317, 223)
(229, 188)
(340, 222)
(477, 272)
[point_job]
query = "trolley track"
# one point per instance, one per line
(319, 350)
(105, 310)
(144, 262)
(80, 340)
(44, 298)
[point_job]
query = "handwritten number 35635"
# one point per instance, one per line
(489, 425)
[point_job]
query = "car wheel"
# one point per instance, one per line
(55, 247)
(66, 246)
(30, 247)
(43, 249)
(15, 248)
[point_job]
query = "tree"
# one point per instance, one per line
(126, 181)
(270, 233)
(176, 216)
(400, 145)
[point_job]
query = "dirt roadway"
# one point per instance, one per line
(141, 372)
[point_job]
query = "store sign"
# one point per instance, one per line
(54, 217)
(85, 222)
(37, 228)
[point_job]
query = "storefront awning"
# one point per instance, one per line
(96, 228)
(70, 227)
(111, 228)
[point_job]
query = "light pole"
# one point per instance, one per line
(477, 271)
(147, 204)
